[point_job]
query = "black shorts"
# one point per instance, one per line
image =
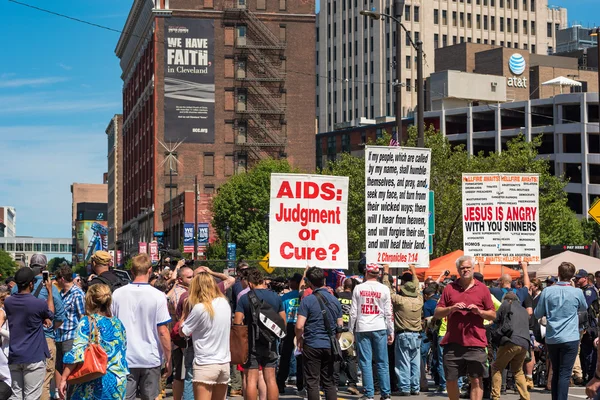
(464, 361)
(178, 365)
(264, 356)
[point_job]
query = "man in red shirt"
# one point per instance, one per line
(466, 302)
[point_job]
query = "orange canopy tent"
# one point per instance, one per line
(448, 262)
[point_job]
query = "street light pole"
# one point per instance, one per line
(399, 4)
(596, 33)
(398, 11)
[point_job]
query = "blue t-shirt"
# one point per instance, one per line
(59, 309)
(429, 308)
(521, 293)
(25, 315)
(243, 305)
(315, 334)
(291, 302)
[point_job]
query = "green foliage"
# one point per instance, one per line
(7, 265)
(591, 230)
(243, 204)
(54, 263)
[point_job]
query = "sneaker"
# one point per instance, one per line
(442, 389)
(414, 392)
(301, 393)
(388, 397)
(353, 390)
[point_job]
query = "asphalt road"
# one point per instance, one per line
(536, 394)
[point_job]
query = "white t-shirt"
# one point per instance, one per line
(371, 308)
(210, 336)
(142, 309)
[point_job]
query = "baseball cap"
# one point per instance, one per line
(407, 277)
(38, 260)
(296, 278)
(24, 276)
(582, 273)
(478, 276)
(102, 257)
(551, 279)
(373, 268)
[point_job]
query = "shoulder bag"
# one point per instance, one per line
(95, 359)
(238, 344)
(336, 349)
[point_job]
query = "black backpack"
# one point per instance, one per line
(504, 328)
(114, 285)
(267, 324)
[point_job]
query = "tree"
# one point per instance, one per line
(242, 204)
(54, 263)
(7, 265)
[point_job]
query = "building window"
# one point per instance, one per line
(209, 164)
(492, 23)
(533, 48)
(407, 13)
(469, 20)
(209, 189)
(525, 26)
(516, 23)
(549, 29)
(485, 22)
(444, 17)
(533, 28)
(444, 40)
(408, 85)
(416, 14)
(346, 143)
(478, 21)
(462, 20)
(454, 41)
(501, 24)
(453, 18)
(532, 5)
(436, 39)
(407, 38)
(436, 16)
(524, 5)
(508, 25)
(408, 66)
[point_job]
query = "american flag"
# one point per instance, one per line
(394, 139)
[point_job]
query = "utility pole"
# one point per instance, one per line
(195, 217)
(420, 97)
(171, 158)
(398, 12)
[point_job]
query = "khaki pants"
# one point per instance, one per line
(50, 364)
(513, 355)
(577, 371)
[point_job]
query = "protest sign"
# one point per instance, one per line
(501, 217)
(307, 221)
(397, 203)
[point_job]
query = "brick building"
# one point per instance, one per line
(250, 96)
(115, 180)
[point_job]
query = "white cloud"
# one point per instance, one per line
(65, 66)
(52, 103)
(21, 82)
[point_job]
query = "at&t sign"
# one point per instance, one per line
(517, 66)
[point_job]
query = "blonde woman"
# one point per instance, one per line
(111, 332)
(208, 322)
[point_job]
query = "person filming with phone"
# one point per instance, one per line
(466, 302)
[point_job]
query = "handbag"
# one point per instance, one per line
(238, 344)
(95, 359)
(336, 349)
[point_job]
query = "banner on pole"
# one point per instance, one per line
(501, 217)
(307, 221)
(153, 251)
(143, 248)
(397, 205)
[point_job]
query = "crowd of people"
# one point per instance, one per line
(321, 331)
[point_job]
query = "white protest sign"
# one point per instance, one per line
(501, 221)
(307, 221)
(397, 202)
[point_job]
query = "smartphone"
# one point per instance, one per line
(45, 276)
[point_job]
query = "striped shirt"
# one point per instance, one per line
(74, 303)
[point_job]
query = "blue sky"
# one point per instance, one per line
(59, 87)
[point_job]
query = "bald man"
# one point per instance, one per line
(522, 293)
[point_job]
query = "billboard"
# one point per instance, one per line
(189, 80)
(91, 237)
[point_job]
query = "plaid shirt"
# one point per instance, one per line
(74, 302)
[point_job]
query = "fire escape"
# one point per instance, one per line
(260, 86)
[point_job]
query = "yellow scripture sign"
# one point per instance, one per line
(594, 211)
(265, 264)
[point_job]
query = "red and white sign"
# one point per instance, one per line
(142, 248)
(501, 221)
(154, 251)
(307, 221)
